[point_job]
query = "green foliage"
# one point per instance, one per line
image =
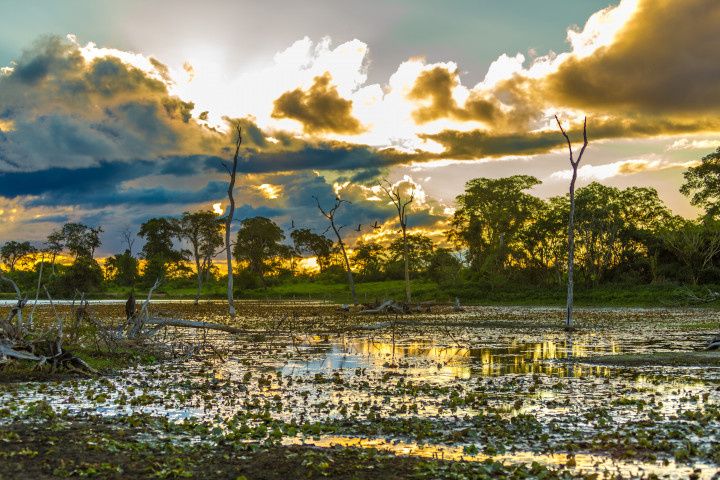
(259, 245)
(307, 242)
(122, 269)
(368, 259)
(419, 248)
(79, 239)
(159, 249)
(489, 220)
(444, 267)
(702, 184)
(14, 252)
(203, 231)
(84, 275)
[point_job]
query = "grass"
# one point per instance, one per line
(660, 359)
(613, 295)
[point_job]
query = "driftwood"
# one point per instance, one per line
(45, 349)
(178, 322)
(391, 306)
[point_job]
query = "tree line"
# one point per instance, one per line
(499, 235)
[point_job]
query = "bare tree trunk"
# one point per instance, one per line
(571, 250)
(401, 205)
(228, 223)
(348, 270)
(199, 277)
(407, 266)
(571, 220)
(330, 215)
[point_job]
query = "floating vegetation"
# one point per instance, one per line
(489, 391)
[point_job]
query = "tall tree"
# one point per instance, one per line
(696, 245)
(414, 250)
(122, 268)
(14, 252)
(79, 239)
(702, 184)
(330, 216)
(232, 171)
(308, 243)
(55, 245)
(159, 250)
(369, 258)
(490, 217)
(203, 231)
(259, 244)
(571, 220)
(401, 200)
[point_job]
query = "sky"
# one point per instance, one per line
(115, 112)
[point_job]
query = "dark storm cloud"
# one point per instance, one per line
(57, 182)
(71, 112)
(115, 197)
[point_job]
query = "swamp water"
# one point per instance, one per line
(502, 383)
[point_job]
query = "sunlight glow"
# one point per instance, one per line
(269, 191)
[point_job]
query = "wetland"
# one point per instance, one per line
(491, 392)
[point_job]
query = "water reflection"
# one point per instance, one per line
(549, 357)
(585, 463)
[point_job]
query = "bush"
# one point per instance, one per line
(84, 275)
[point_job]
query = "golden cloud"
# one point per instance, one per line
(434, 89)
(664, 59)
(320, 109)
(475, 144)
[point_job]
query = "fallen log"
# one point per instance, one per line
(178, 322)
(7, 350)
(385, 307)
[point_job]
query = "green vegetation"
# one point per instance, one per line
(503, 246)
(652, 295)
(665, 359)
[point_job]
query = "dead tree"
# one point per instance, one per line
(571, 221)
(228, 220)
(45, 349)
(128, 239)
(330, 215)
(401, 204)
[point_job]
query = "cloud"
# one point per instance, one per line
(477, 144)
(687, 144)
(437, 91)
(664, 58)
(68, 106)
(92, 132)
(652, 64)
(320, 109)
(620, 168)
